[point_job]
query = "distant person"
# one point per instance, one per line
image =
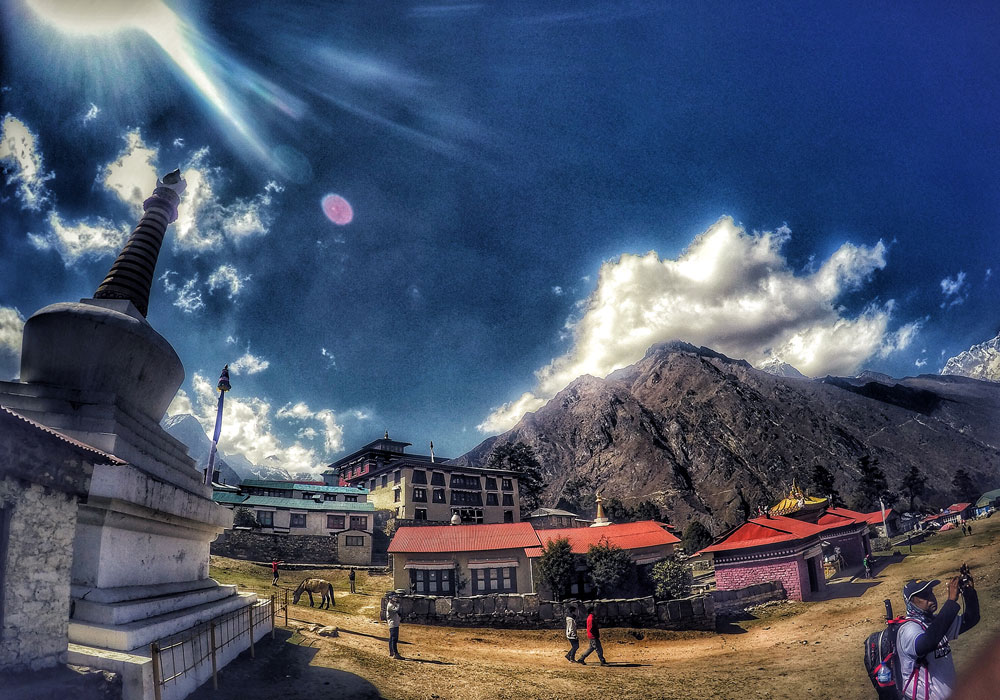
(867, 563)
(594, 637)
(274, 571)
(350, 577)
(574, 642)
(392, 617)
(969, 526)
(965, 530)
(927, 669)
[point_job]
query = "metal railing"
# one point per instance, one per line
(184, 653)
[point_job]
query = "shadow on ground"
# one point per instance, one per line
(283, 669)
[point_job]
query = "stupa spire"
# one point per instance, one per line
(131, 275)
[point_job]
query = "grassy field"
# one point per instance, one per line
(786, 651)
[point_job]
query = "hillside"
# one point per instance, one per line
(710, 437)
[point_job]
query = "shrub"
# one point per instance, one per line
(671, 579)
(244, 517)
(610, 567)
(555, 566)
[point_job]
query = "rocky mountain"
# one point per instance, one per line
(978, 362)
(869, 375)
(233, 468)
(780, 369)
(711, 438)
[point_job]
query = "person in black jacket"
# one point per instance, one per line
(927, 669)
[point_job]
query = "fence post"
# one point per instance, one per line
(250, 611)
(215, 669)
(286, 607)
(274, 602)
(154, 651)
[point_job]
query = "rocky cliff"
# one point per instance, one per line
(978, 362)
(709, 437)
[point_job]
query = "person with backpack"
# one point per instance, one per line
(926, 668)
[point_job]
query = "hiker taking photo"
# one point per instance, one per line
(927, 670)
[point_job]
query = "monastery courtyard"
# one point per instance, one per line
(785, 650)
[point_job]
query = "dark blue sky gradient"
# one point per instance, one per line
(514, 149)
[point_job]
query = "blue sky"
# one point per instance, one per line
(539, 191)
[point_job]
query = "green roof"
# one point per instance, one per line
(290, 503)
(292, 486)
(988, 498)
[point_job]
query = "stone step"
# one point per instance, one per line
(144, 608)
(133, 635)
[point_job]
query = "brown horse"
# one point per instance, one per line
(315, 585)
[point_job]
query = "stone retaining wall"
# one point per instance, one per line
(728, 602)
(264, 546)
(527, 611)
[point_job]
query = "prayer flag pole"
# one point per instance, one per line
(224, 386)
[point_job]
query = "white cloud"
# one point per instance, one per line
(331, 361)
(951, 286)
(920, 362)
(732, 291)
(181, 403)
(11, 328)
(87, 238)
(188, 297)
(22, 163)
(203, 222)
(557, 290)
(226, 276)
(133, 175)
(178, 142)
(249, 364)
(91, 113)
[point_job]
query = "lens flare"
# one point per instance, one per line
(337, 209)
(182, 43)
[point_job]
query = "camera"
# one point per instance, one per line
(964, 578)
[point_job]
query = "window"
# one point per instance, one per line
(330, 497)
(501, 579)
(355, 541)
(439, 496)
(466, 498)
(462, 481)
(469, 516)
(420, 514)
(491, 483)
(432, 581)
(508, 485)
(351, 499)
(371, 485)
(395, 477)
(297, 520)
(419, 494)
(265, 518)
(491, 499)
(359, 522)
(508, 499)
(508, 516)
(437, 479)
(335, 522)
(385, 480)
(395, 494)
(419, 477)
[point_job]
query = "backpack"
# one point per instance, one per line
(882, 659)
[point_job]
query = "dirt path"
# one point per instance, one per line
(789, 651)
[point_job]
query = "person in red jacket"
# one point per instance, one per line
(594, 636)
(274, 571)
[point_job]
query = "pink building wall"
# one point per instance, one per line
(791, 572)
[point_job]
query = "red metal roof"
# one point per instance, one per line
(645, 533)
(958, 507)
(463, 538)
(764, 531)
(839, 517)
(875, 517)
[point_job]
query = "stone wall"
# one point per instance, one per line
(36, 582)
(261, 546)
(527, 611)
(728, 602)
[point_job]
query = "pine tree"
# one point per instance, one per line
(823, 485)
(873, 485)
(914, 485)
(696, 537)
(964, 487)
(520, 459)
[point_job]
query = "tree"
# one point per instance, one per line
(578, 496)
(244, 517)
(873, 485)
(671, 579)
(555, 566)
(646, 510)
(616, 511)
(914, 485)
(696, 537)
(823, 485)
(610, 567)
(964, 487)
(520, 459)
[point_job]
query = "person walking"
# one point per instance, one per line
(574, 642)
(867, 563)
(350, 577)
(392, 617)
(964, 530)
(594, 637)
(274, 571)
(927, 668)
(969, 526)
